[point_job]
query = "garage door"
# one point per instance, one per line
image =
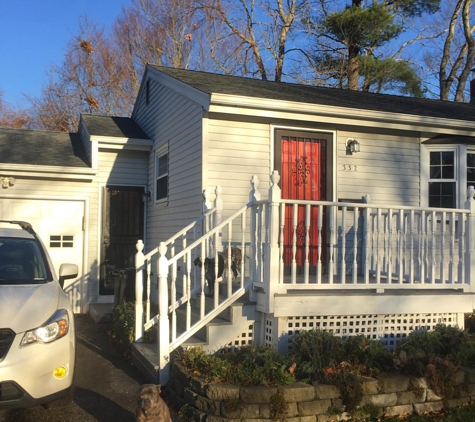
(60, 226)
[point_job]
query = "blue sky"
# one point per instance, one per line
(34, 34)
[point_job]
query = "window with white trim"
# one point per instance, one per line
(442, 181)
(161, 174)
(470, 168)
(451, 170)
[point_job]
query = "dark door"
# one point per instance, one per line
(301, 159)
(122, 226)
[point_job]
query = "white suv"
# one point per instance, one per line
(37, 336)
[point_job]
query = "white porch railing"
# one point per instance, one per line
(291, 245)
(367, 246)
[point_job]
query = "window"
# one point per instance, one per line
(470, 169)
(450, 171)
(61, 241)
(161, 175)
(442, 185)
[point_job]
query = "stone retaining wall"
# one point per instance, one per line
(391, 395)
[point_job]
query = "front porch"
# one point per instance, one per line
(353, 268)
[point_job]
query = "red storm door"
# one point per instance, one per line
(303, 177)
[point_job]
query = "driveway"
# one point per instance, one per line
(106, 385)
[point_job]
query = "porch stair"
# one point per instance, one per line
(222, 331)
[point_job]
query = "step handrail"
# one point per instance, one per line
(210, 233)
(202, 217)
(209, 316)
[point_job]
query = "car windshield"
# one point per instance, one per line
(22, 262)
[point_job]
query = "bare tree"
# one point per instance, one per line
(93, 78)
(262, 29)
(14, 118)
(458, 54)
(449, 53)
(56, 107)
(101, 72)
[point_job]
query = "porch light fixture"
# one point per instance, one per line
(352, 145)
(7, 182)
(146, 195)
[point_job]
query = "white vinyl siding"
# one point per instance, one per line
(173, 119)
(387, 168)
(123, 168)
(236, 151)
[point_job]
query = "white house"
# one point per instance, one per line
(350, 208)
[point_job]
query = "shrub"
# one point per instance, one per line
(248, 365)
(123, 327)
(470, 322)
(347, 379)
(370, 353)
(197, 362)
(259, 366)
(319, 355)
(440, 376)
(420, 348)
(314, 350)
(436, 355)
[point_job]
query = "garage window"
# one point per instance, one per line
(61, 241)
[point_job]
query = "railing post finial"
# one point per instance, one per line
(470, 202)
(274, 190)
(206, 200)
(275, 177)
(470, 193)
(255, 195)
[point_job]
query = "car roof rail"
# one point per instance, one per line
(23, 224)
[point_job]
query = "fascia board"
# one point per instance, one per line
(123, 143)
(128, 147)
(30, 171)
(193, 94)
(221, 103)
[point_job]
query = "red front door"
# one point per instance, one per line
(303, 176)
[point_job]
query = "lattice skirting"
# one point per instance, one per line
(246, 338)
(389, 329)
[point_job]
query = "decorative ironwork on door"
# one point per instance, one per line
(303, 171)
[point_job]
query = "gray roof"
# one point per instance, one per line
(232, 85)
(119, 127)
(46, 148)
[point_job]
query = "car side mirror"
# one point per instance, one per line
(67, 271)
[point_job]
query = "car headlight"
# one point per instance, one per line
(53, 329)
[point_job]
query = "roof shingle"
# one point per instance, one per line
(232, 85)
(46, 148)
(118, 127)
